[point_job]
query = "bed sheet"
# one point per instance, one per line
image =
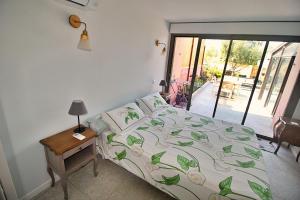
(190, 156)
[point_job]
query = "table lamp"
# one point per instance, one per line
(78, 108)
(162, 83)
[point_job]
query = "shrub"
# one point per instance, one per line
(213, 71)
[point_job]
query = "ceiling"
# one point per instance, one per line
(226, 10)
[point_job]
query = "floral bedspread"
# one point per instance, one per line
(191, 157)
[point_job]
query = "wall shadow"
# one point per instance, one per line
(9, 152)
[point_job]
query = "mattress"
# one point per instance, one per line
(190, 156)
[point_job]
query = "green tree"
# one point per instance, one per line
(243, 53)
(210, 54)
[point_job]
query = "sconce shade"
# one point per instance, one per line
(84, 43)
(162, 83)
(77, 108)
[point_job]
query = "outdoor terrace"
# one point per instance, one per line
(232, 109)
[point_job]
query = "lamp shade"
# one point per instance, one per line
(162, 83)
(77, 108)
(84, 43)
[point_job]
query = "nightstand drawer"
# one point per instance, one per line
(78, 148)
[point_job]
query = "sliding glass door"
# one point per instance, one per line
(236, 80)
(286, 61)
(181, 75)
(271, 83)
(208, 77)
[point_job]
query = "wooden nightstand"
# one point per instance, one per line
(66, 154)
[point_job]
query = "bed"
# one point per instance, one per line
(189, 156)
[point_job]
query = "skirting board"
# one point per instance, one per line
(39, 189)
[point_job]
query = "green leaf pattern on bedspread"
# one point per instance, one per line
(193, 157)
(157, 102)
(263, 192)
(199, 136)
(184, 144)
(155, 159)
(131, 114)
(176, 132)
(225, 186)
(131, 140)
(253, 153)
(185, 163)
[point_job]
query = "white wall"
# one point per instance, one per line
(234, 10)
(42, 71)
(5, 177)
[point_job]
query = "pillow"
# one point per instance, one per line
(154, 102)
(121, 118)
(97, 124)
(143, 107)
(111, 123)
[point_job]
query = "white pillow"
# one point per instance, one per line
(121, 118)
(97, 124)
(111, 123)
(143, 107)
(154, 102)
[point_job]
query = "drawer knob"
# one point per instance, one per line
(80, 148)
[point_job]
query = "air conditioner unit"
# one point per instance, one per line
(86, 4)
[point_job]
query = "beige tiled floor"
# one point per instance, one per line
(115, 183)
(259, 117)
(112, 182)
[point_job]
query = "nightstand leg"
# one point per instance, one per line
(65, 187)
(95, 166)
(95, 159)
(52, 176)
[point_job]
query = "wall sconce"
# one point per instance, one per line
(157, 43)
(84, 43)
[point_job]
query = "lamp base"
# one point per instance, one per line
(74, 21)
(79, 129)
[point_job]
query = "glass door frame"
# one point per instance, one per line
(197, 54)
(254, 84)
(282, 85)
(222, 78)
(195, 67)
(264, 38)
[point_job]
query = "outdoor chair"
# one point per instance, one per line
(287, 130)
(227, 89)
